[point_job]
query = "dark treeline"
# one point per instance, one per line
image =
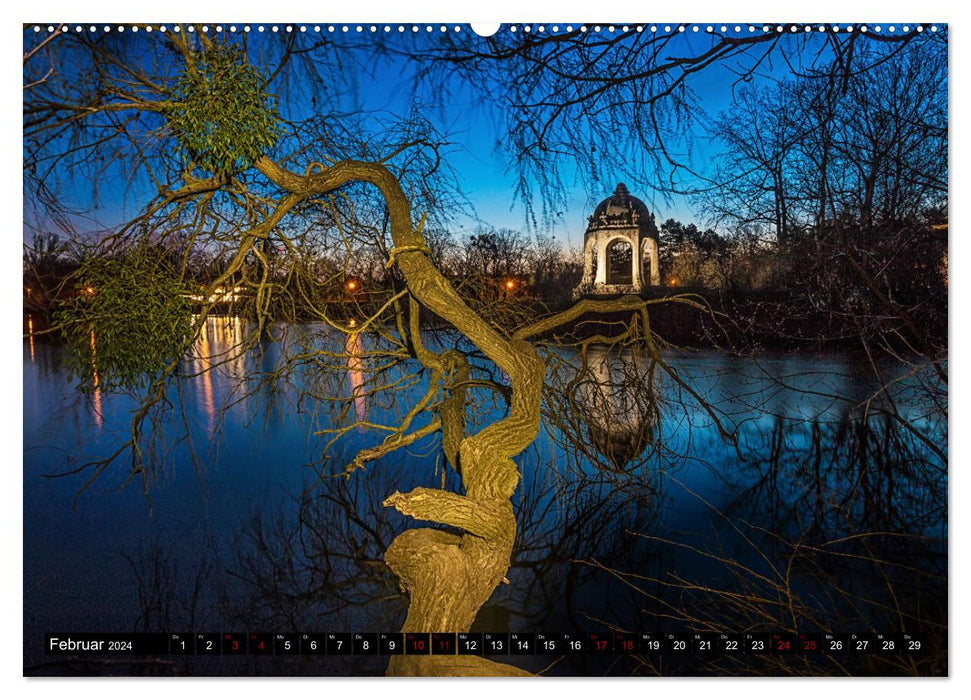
(848, 176)
(821, 286)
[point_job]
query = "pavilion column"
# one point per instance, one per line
(655, 263)
(601, 261)
(589, 272)
(635, 272)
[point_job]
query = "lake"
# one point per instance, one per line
(825, 512)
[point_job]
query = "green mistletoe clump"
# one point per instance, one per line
(128, 317)
(221, 115)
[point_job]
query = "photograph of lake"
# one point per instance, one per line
(593, 350)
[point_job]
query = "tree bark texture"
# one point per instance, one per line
(448, 576)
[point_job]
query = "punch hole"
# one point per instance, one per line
(485, 29)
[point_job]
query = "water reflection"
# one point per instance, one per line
(202, 365)
(218, 348)
(30, 335)
(616, 399)
(828, 527)
(831, 512)
(605, 409)
(354, 350)
(857, 474)
(96, 385)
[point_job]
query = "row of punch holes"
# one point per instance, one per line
(513, 28)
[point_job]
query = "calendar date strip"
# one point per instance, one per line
(478, 644)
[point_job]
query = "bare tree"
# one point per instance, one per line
(221, 164)
(602, 101)
(163, 109)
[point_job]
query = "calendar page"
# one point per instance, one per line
(526, 349)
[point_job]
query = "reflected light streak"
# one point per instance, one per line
(217, 347)
(96, 394)
(204, 368)
(30, 335)
(228, 333)
(355, 373)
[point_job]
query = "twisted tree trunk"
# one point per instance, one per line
(448, 577)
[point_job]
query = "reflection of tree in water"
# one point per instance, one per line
(838, 527)
(321, 566)
(834, 525)
(854, 475)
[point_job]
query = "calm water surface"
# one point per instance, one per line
(241, 534)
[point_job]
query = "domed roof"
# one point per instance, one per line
(623, 210)
(621, 447)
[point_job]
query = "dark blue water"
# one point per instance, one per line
(239, 526)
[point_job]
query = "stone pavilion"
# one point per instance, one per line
(620, 248)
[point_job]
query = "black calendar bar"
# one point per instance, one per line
(482, 644)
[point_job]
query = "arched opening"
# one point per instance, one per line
(620, 262)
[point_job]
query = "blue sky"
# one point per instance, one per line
(475, 130)
(473, 126)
